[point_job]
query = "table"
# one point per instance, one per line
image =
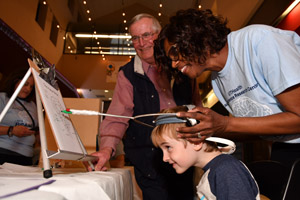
(22, 182)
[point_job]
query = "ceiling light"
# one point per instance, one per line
(291, 7)
(111, 48)
(79, 35)
(286, 12)
(111, 53)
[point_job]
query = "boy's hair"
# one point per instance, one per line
(170, 130)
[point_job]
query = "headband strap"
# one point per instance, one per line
(172, 118)
(169, 119)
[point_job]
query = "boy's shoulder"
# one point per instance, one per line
(226, 166)
(222, 161)
(227, 177)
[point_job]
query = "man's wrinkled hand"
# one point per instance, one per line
(100, 164)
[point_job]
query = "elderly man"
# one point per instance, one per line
(142, 88)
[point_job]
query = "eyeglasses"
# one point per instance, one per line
(145, 37)
(173, 53)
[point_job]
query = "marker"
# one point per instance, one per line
(90, 112)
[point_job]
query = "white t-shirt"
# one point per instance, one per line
(262, 62)
(16, 115)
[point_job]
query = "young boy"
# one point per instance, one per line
(224, 176)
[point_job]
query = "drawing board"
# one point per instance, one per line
(68, 142)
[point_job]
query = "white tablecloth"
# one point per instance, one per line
(17, 182)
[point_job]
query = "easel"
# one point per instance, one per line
(46, 155)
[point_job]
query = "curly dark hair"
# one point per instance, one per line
(162, 60)
(184, 87)
(197, 33)
(12, 79)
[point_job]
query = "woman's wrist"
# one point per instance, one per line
(10, 131)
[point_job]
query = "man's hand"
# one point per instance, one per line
(210, 123)
(101, 163)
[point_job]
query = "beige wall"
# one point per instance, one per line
(83, 71)
(89, 71)
(20, 16)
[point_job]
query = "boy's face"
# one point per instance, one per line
(175, 152)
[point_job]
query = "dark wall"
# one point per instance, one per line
(11, 55)
(269, 11)
(14, 53)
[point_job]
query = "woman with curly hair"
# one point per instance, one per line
(255, 75)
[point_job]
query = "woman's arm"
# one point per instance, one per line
(212, 123)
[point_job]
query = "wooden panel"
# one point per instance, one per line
(87, 126)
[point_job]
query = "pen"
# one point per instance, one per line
(91, 165)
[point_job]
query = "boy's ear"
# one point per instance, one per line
(198, 147)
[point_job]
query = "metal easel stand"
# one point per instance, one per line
(46, 164)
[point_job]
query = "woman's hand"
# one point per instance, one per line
(210, 123)
(21, 131)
